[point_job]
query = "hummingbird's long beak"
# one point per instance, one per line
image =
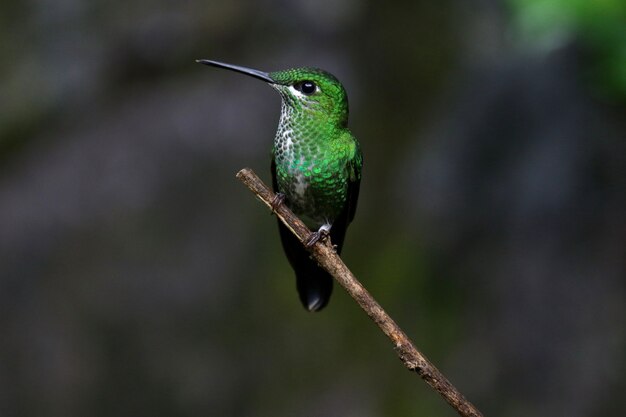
(264, 76)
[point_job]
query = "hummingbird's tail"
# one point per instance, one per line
(313, 283)
(314, 286)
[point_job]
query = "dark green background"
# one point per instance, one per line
(139, 278)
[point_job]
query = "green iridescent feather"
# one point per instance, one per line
(316, 155)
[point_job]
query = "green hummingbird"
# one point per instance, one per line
(316, 167)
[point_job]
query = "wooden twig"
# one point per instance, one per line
(328, 259)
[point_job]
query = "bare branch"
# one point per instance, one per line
(328, 259)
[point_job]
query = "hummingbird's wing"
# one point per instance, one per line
(313, 283)
(354, 184)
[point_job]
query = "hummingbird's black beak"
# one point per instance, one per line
(264, 76)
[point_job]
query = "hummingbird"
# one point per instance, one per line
(316, 167)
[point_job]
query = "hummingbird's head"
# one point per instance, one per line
(303, 90)
(312, 90)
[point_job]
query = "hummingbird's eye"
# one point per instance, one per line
(306, 87)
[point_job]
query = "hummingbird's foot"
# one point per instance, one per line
(278, 199)
(314, 237)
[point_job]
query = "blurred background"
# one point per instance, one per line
(139, 277)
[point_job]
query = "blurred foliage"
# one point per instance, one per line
(599, 25)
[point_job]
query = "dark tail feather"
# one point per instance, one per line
(314, 284)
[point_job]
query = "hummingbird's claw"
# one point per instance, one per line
(278, 199)
(314, 237)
